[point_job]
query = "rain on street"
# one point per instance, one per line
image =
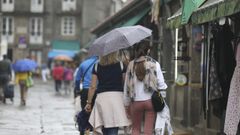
(45, 113)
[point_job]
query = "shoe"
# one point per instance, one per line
(23, 103)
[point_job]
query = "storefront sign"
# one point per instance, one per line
(22, 42)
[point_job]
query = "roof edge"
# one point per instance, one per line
(120, 12)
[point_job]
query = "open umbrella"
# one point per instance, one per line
(24, 65)
(119, 38)
(63, 58)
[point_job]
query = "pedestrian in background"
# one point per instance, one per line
(84, 77)
(68, 77)
(143, 76)
(5, 75)
(74, 81)
(45, 73)
(57, 73)
(108, 113)
(21, 79)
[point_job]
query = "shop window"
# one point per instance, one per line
(37, 5)
(7, 29)
(7, 5)
(36, 30)
(68, 5)
(68, 26)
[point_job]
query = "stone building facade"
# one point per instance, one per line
(29, 28)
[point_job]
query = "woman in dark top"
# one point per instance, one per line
(108, 113)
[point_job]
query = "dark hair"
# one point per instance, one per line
(141, 49)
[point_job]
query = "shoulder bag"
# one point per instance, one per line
(157, 101)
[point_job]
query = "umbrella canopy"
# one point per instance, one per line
(119, 38)
(24, 65)
(63, 58)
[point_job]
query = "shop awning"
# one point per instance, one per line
(55, 53)
(209, 11)
(135, 19)
(66, 45)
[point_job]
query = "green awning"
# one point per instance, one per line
(189, 7)
(71, 45)
(209, 11)
(129, 22)
(134, 20)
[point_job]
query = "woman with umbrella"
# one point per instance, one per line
(23, 70)
(108, 112)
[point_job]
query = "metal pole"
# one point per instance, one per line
(176, 54)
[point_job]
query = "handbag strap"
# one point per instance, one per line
(88, 69)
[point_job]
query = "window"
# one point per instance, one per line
(37, 56)
(7, 5)
(7, 29)
(68, 26)
(68, 5)
(37, 6)
(36, 30)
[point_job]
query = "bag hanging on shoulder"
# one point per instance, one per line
(29, 82)
(157, 101)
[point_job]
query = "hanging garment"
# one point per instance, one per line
(215, 90)
(163, 122)
(225, 64)
(233, 105)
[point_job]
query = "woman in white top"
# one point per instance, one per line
(143, 76)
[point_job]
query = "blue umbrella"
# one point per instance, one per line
(24, 65)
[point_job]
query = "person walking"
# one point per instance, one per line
(21, 79)
(84, 77)
(44, 73)
(143, 76)
(107, 113)
(5, 76)
(68, 77)
(58, 72)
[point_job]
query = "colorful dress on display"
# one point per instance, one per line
(233, 105)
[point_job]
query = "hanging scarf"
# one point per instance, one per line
(150, 79)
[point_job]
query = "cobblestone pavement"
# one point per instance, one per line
(46, 113)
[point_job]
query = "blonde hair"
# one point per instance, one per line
(109, 59)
